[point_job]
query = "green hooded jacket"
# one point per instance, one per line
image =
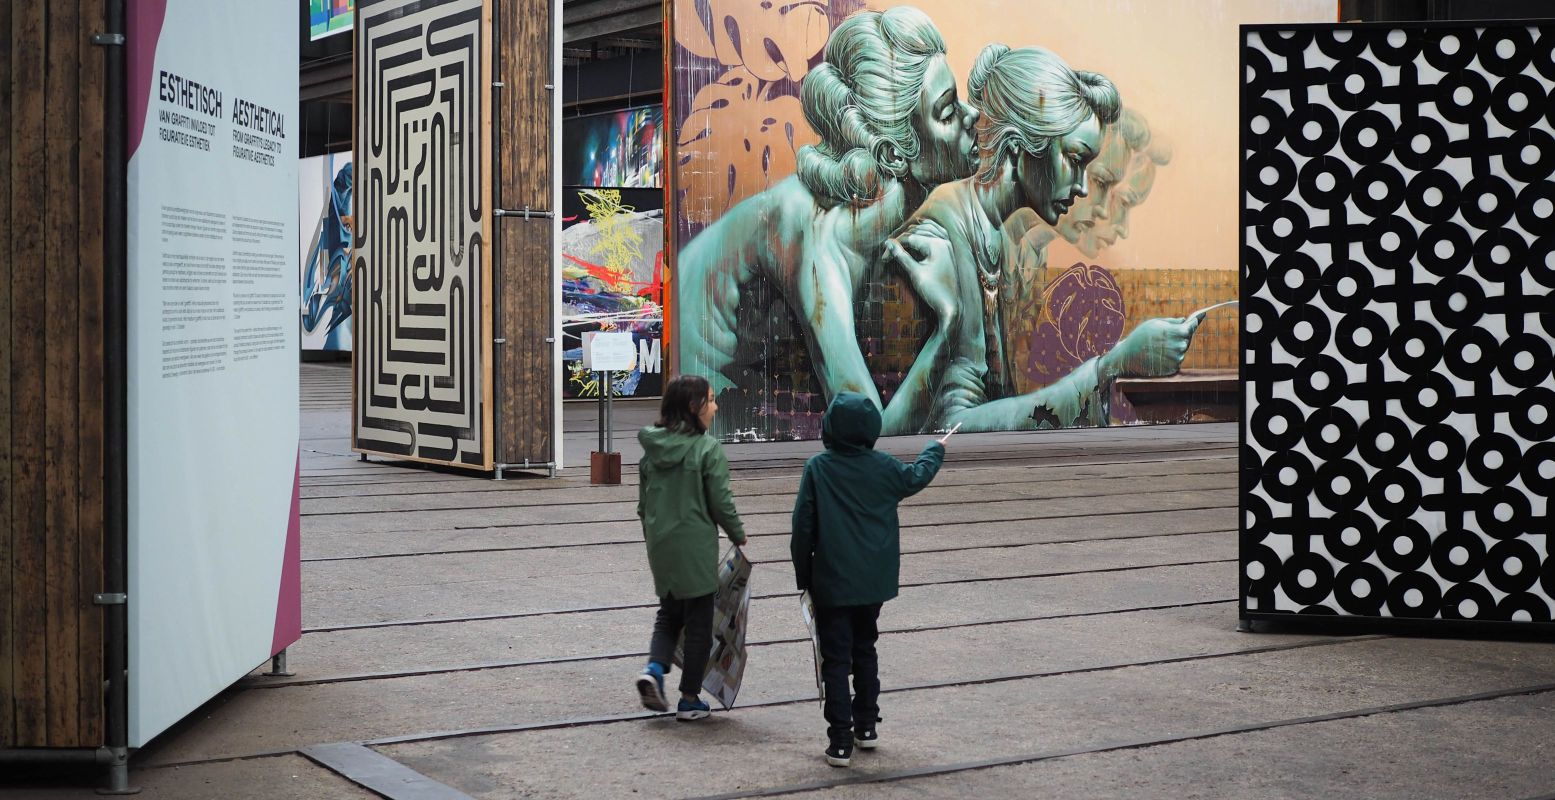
(846, 545)
(683, 497)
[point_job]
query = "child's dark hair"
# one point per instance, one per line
(681, 408)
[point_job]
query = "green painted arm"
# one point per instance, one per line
(923, 254)
(1155, 348)
(825, 309)
(1079, 398)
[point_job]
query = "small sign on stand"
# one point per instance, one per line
(606, 352)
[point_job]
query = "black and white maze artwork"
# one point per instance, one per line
(1399, 218)
(419, 246)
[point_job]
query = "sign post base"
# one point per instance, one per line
(604, 468)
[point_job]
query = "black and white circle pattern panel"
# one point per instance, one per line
(1398, 260)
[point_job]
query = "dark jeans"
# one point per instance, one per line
(848, 635)
(695, 617)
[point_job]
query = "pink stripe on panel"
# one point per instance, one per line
(144, 29)
(288, 605)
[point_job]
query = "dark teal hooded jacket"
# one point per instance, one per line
(846, 544)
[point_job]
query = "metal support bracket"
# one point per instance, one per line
(119, 773)
(497, 84)
(110, 599)
(499, 469)
(108, 39)
(499, 341)
(525, 213)
(278, 667)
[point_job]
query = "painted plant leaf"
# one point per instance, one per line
(721, 161)
(773, 39)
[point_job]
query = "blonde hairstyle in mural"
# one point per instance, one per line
(893, 126)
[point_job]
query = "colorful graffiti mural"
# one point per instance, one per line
(619, 149)
(329, 17)
(870, 197)
(613, 279)
(324, 203)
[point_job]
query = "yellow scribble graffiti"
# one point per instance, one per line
(617, 246)
(587, 381)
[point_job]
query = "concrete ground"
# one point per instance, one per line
(1066, 628)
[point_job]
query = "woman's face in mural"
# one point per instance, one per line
(946, 128)
(1130, 193)
(1083, 221)
(1051, 182)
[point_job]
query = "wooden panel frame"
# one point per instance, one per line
(528, 285)
(52, 359)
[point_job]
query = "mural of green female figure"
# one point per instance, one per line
(1041, 125)
(1118, 180)
(892, 127)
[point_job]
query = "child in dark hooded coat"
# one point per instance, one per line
(847, 553)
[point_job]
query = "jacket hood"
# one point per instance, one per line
(852, 422)
(666, 448)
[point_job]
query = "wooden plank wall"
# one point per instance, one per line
(51, 375)
(523, 127)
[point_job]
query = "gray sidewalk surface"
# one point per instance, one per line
(1066, 629)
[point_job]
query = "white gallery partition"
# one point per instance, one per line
(213, 338)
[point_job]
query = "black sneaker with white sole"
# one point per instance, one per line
(866, 738)
(839, 755)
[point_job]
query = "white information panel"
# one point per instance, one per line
(612, 350)
(213, 343)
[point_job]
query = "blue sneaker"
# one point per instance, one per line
(692, 709)
(650, 687)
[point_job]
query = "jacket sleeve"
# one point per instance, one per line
(919, 473)
(720, 498)
(801, 544)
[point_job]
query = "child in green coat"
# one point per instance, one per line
(847, 553)
(683, 498)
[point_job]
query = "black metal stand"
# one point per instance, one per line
(116, 413)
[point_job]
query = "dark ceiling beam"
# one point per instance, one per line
(586, 10)
(638, 43)
(614, 25)
(325, 79)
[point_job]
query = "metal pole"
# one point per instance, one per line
(116, 411)
(603, 377)
(609, 419)
(278, 666)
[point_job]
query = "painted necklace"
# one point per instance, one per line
(990, 251)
